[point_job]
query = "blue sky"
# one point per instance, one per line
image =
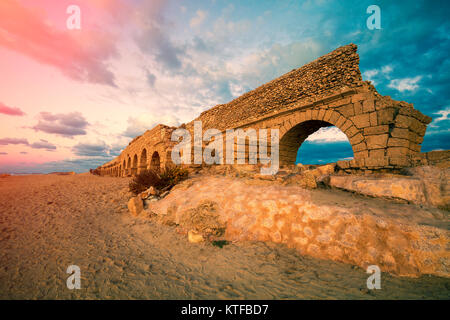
(140, 63)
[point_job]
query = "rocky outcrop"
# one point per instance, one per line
(406, 241)
(135, 206)
(425, 185)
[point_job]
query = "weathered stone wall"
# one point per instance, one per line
(316, 80)
(383, 133)
(150, 150)
(439, 158)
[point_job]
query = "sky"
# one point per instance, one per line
(72, 99)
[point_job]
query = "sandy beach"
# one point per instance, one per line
(48, 222)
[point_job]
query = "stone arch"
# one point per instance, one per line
(143, 160)
(300, 125)
(124, 166)
(129, 166)
(134, 165)
(155, 163)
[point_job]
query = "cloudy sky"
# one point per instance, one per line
(72, 99)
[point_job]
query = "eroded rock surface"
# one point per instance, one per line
(426, 185)
(400, 238)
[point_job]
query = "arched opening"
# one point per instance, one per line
(155, 162)
(135, 165)
(124, 166)
(314, 142)
(143, 161)
(129, 166)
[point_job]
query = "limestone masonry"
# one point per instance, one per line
(383, 133)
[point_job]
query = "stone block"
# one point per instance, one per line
(361, 96)
(347, 110)
(359, 147)
(373, 119)
(340, 121)
(135, 206)
(343, 164)
(351, 131)
(357, 138)
(361, 120)
(400, 133)
(321, 114)
(361, 155)
(410, 189)
(386, 116)
(438, 155)
(377, 162)
(346, 125)
(376, 130)
(302, 116)
(377, 141)
(368, 105)
(334, 117)
(399, 161)
(315, 114)
(339, 102)
(402, 121)
(397, 142)
(357, 107)
(308, 114)
(377, 153)
(417, 126)
(397, 152)
(414, 137)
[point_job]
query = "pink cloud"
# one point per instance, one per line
(67, 125)
(80, 54)
(10, 111)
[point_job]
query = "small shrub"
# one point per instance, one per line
(144, 180)
(159, 180)
(172, 176)
(94, 172)
(220, 243)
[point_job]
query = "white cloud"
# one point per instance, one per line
(146, 121)
(405, 84)
(256, 68)
(386, 69)
(328, 134)
(370, 74)
(198, 18)
(443, 114)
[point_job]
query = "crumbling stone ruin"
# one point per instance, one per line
(384, 134)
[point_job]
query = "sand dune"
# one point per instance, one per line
(48, 222)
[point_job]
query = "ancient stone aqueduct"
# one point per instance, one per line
(384, 134)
